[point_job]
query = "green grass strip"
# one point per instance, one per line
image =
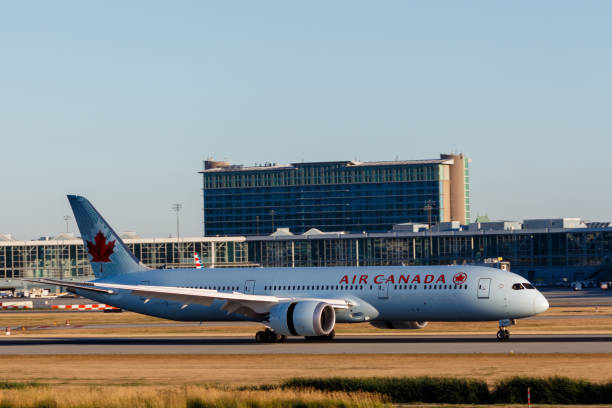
(551, 390)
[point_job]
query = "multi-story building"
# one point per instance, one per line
(346, 196)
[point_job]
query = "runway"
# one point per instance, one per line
(449, 344)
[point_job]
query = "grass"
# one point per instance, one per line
(550, 390)
(313, 393)
(237, 370)
(12, 385)
(183, 396)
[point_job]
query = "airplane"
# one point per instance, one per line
(301, 301)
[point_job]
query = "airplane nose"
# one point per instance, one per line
(540, 304)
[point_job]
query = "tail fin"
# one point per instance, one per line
(107, 253)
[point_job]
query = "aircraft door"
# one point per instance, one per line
(249, 287)
(484, 285)
(383, 291)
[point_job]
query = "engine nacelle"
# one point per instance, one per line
(305, 318)
(411, 325)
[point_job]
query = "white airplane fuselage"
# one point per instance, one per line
(386, 293)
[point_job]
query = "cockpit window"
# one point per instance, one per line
(517, 286)
(528, 286)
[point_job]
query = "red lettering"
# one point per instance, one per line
(416, 279)
(354, 277)
(440, 279)
(428, 278)
(390, 279)
(363, 279)
(344, 279)
(404, 279)
(377, 280)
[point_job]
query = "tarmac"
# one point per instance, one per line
(363, 344)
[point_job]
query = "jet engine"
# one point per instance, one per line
(410, 325)
(306, 318)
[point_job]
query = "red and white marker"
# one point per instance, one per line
(528, 398)
(196, 259)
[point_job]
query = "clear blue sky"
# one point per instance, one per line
(121, 101)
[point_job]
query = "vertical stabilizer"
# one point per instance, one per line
(106, 251)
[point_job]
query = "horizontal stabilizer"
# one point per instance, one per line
(66, 284)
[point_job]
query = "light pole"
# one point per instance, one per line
(429, 206)
(67, 218)
(177, 207)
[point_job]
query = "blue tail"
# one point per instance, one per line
(107, 253)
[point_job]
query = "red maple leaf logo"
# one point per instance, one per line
(100, 251)
(459, 278)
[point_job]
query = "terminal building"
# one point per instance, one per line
(543, 251)
(349, 196)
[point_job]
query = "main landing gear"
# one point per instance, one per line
(503, 333)
(269, 336)
(328, 337)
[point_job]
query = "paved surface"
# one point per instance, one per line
(526, 344)
(583, 298)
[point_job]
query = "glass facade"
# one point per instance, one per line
(538, 255)
(330, 196)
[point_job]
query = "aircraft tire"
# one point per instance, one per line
(328, 337)
(260, 336)
(270, 336)
(503, 334)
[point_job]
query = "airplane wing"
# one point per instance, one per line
(235, 302)
(255, 306)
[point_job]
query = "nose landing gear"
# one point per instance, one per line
(503, 333)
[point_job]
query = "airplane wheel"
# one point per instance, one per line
(328, 337)
(260, 337)
(331, 335)
(270, 336)
(503, 334)
(282, 338)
